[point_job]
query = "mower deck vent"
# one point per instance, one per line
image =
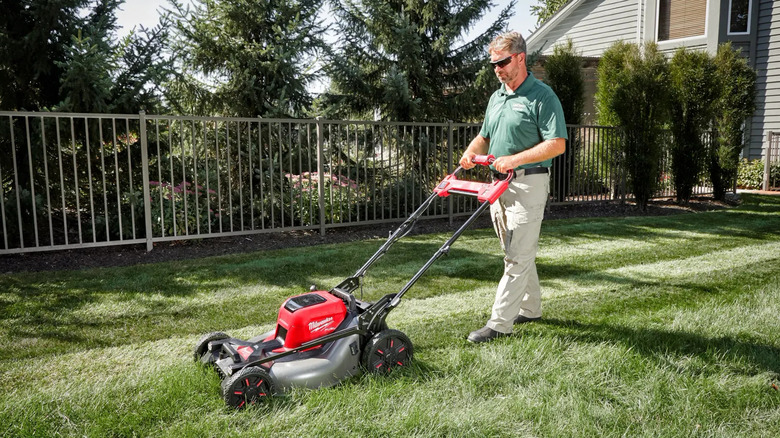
(281, 333)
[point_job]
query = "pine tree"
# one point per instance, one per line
(34, 40)
(405, 60)
(245, 57)
(63, 55)
(545, 9)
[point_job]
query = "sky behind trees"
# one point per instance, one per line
(146, 13)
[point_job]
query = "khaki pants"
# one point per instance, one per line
(517, 218)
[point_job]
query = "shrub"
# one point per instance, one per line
(182, 209)
(750, 174)
(693, 86)
(735, 104)
(564, 75)
(342, 198)
(633, 94)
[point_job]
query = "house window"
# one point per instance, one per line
(739, 16)
(681, 18)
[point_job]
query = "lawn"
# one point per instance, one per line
(653, 326)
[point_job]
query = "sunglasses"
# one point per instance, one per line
(502, 62)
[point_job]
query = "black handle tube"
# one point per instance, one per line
(397, 235)
(443, 250)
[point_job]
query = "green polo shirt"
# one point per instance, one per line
(518, 121)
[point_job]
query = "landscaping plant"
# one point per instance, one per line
(564, 75)
(694, 89)
(735, 104)
(633, 93)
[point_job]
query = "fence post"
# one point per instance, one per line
(768, 159)
(145, 178)
(321, 174)
(450, 147)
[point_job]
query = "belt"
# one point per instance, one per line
(529, 171)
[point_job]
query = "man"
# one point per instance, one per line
(524, 128)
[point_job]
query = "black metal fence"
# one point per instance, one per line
(85, 180)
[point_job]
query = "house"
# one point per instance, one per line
(751, 25)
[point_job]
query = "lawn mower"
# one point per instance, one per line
(323, 337)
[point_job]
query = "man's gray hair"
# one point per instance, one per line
(512, 42)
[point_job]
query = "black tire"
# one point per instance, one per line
(386, 350)
(247, 387)
(203, 344)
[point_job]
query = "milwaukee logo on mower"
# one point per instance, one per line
(322, 325)
(309, 316)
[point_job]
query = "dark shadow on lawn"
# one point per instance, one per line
(655, 343)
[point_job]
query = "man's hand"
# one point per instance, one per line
(505, 164)
(480, 145)
(467, 160)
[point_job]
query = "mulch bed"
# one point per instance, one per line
(128, 255)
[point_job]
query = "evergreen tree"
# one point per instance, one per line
(144, 67)
(245, 57)
(34, 39)
(735, 103)
(406, 60)
(633, 94)
(545, 9)
(564, 75)
(693, 86)
(63, 55)
(85, 84)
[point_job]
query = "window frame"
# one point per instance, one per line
(749, 19)
(684, 39)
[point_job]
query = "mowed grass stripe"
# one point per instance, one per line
(671, 331)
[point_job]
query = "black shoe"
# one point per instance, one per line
(523, 319)
(485, 334)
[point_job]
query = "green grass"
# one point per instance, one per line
(653, 326)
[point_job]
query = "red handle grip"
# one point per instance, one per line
(484, 160)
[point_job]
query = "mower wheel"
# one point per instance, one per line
(203, 344)
(247, 387)
(386, 350)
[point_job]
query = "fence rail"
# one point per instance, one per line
(772, 161)
(85, 180)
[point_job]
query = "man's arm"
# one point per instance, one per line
(543, 151)
(479, 146)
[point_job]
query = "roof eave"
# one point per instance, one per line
(539, 34)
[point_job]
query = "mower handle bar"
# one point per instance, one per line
(406, 226)
(484, 160)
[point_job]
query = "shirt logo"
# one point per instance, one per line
(519, 107)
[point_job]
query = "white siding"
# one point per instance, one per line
(593, 26)
(767, 115)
